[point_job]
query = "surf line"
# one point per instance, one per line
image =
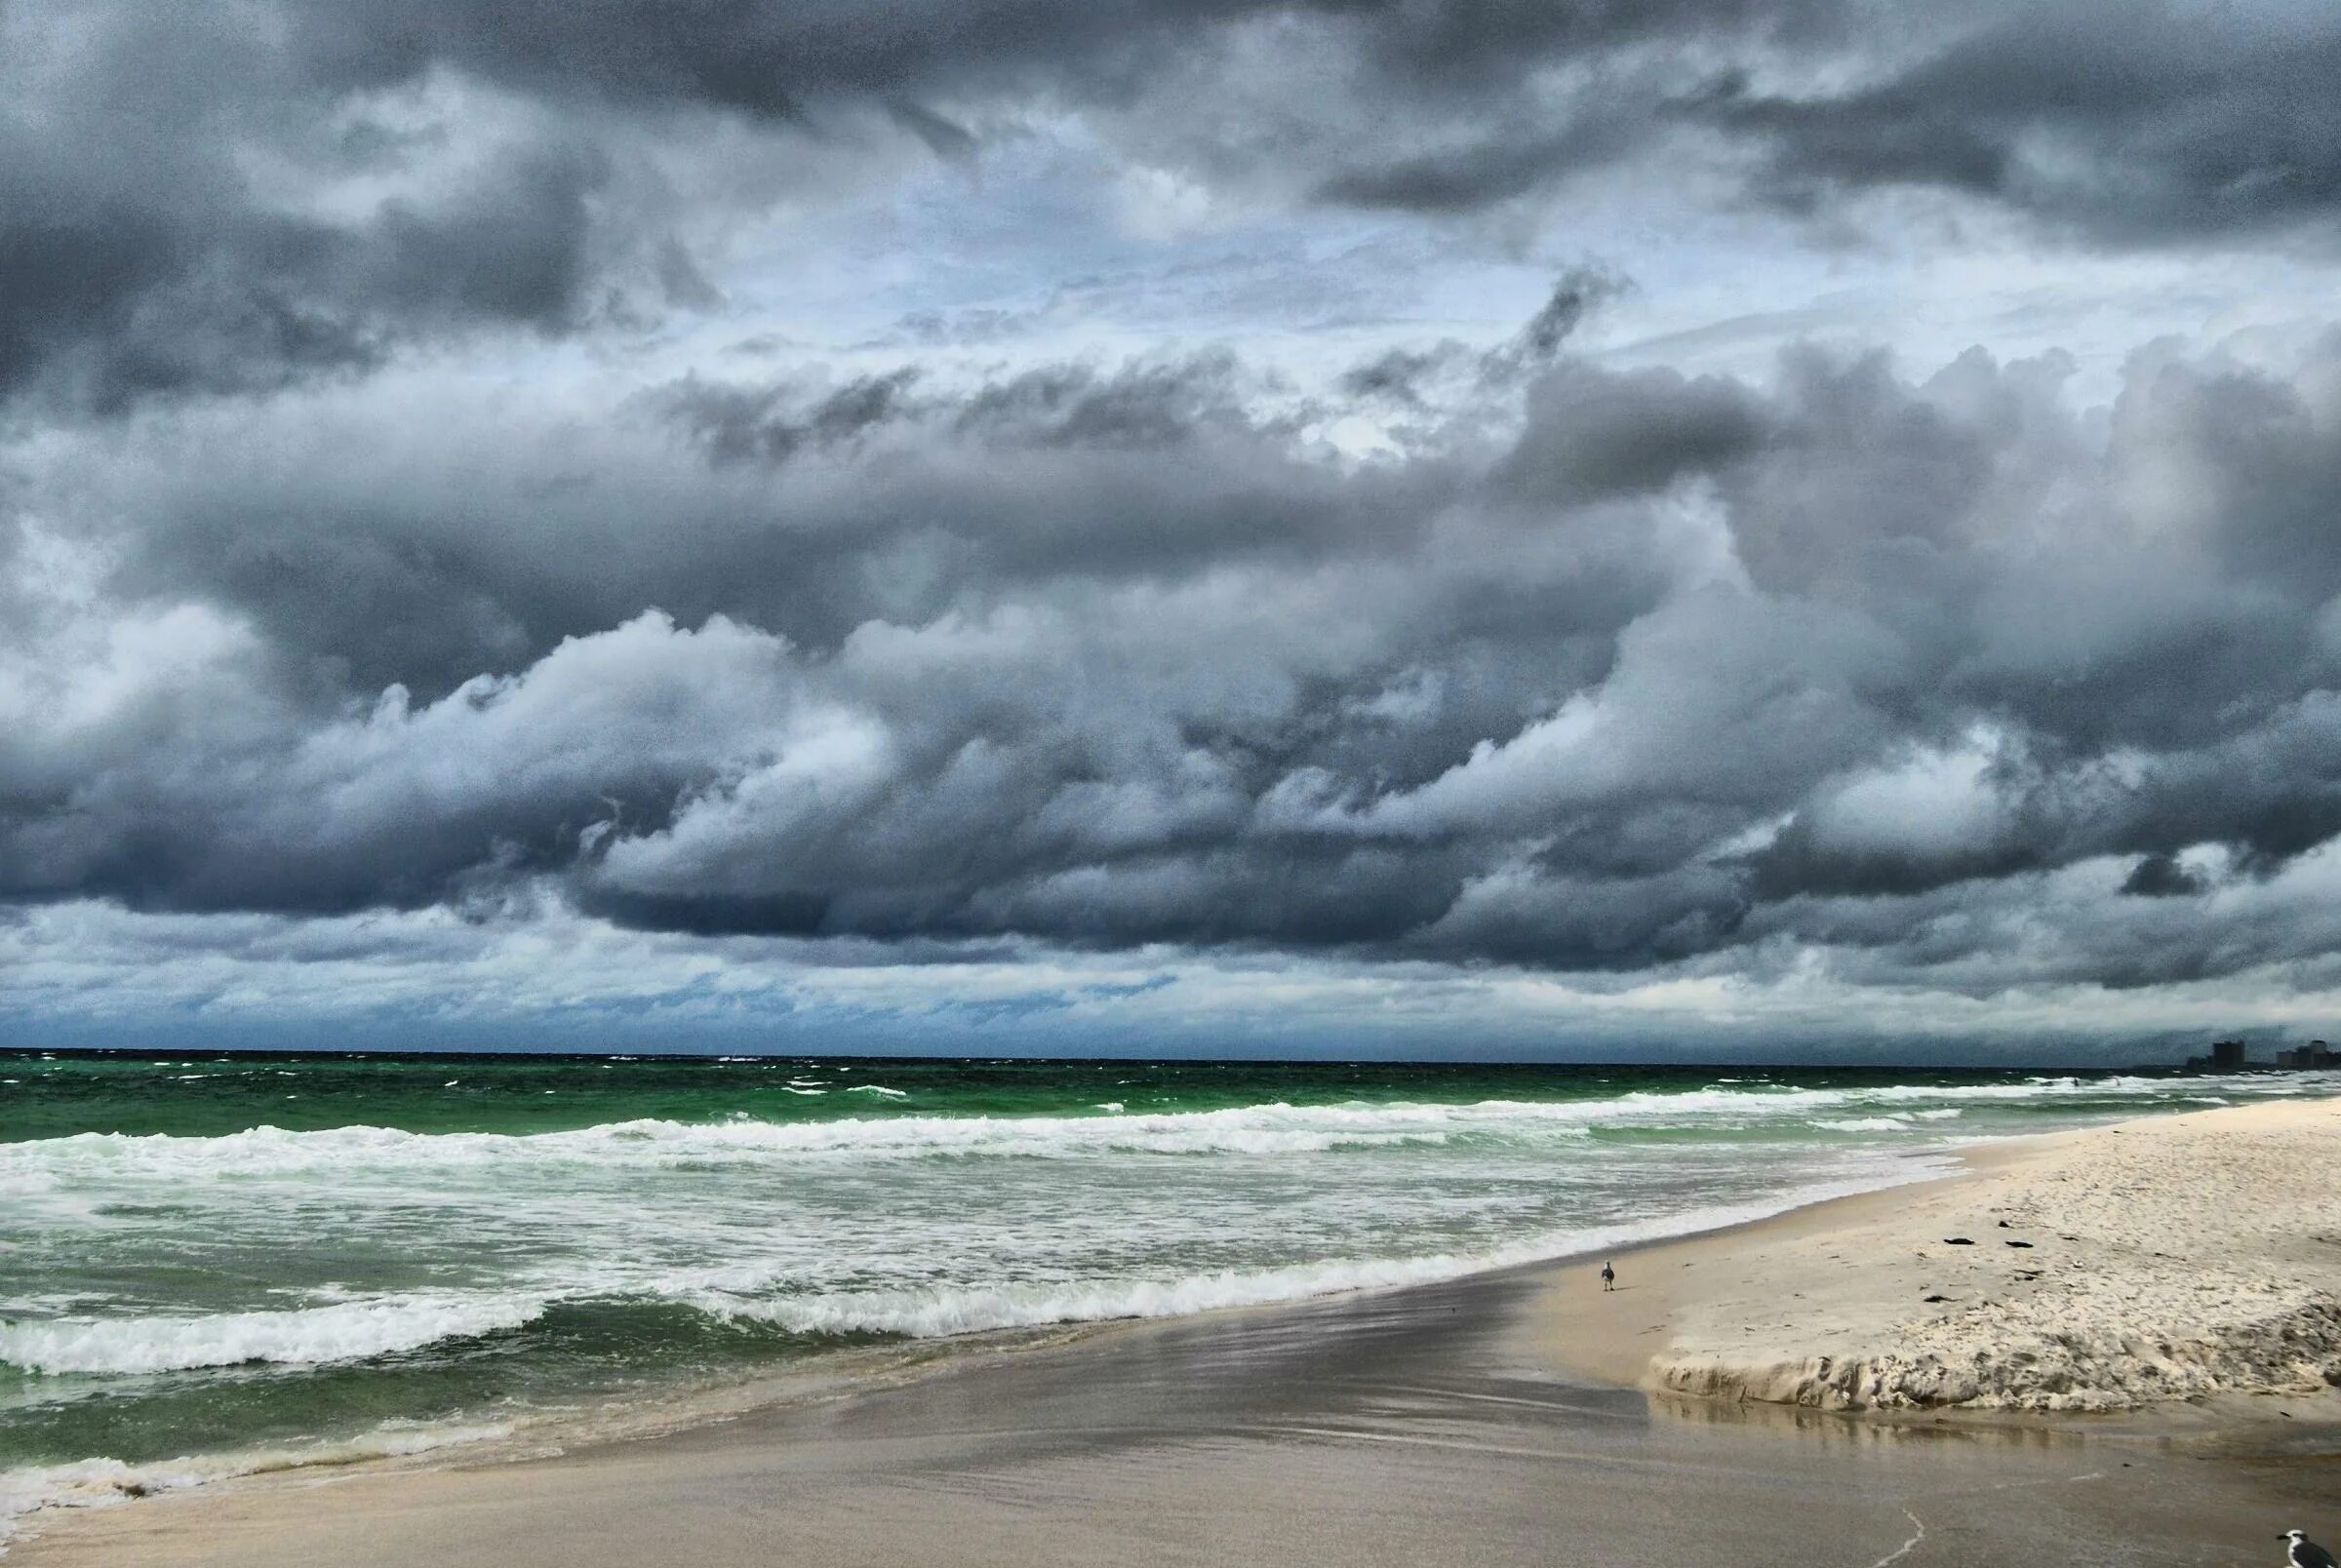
(1908, 1547)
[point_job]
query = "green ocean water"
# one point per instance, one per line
(203, 1097)
(212, 1264)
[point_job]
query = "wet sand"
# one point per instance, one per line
(1416, 1428)
(1454, 1423)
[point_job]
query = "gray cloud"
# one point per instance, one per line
(198, 203)
(2176, 122)
(1456, 652)
(2161, 876)
(138, 259)
(1605, 669)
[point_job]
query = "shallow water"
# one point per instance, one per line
(211, 1262)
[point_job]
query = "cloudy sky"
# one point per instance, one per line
(1738, 528)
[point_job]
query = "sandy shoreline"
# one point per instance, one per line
(1482, 1419)
(2171, 1258)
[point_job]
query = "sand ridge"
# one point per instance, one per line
(2104, 1269)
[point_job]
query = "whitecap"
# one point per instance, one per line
(346, 1331)
(47, 1166)
(941, 1310)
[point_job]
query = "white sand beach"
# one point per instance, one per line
(2167, 1259)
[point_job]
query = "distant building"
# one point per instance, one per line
(2313, 1055)
(2227, 1056)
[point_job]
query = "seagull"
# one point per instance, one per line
(2302, 1553)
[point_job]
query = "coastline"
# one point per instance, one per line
(1535, 1347)
(2185, 1258)
(41, 1498)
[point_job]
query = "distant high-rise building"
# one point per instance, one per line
(2315, 1054)
(2227, 1056)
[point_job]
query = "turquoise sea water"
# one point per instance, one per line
(210, 1265)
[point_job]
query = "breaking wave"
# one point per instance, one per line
(347, 1331)
(947, 1310)
(1261, 1129)
(365, 1329)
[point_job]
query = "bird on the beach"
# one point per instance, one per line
(2302, 1553)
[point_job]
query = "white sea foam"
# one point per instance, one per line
(1759, 1101)
(934, 1311)
(1270, 1130)
(92, 1484)
(37, 1165)
(346, 1331)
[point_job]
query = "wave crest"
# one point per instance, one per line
(347, 1331)
(38, 1167)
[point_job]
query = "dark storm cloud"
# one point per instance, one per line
(1398, 374)
(2167, 122)
(1601, 670)
(802, 506)
(819, 504)
(1583, 667)
(205, 199)
(137, 257)
(1403, 375)
(2161, 876)
(740, 424)
(2171, 124)
(1497, 166)
(783, 61)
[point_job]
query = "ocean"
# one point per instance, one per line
(213, 1266)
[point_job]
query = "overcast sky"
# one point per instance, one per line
(1600, 528)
